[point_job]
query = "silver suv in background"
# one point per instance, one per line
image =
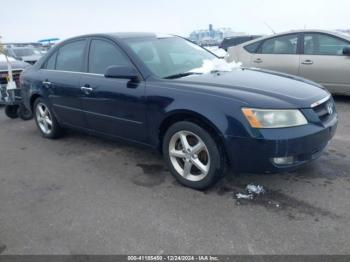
(26, 54)
(318, 55)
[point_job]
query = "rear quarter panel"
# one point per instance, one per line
(239, 54)
(31, 85)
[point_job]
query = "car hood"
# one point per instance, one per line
(31, 58)
(255, 87)
(16, 65)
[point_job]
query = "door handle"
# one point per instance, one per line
(307, 62)
(46, 83)
(258, 60)
(86, 89)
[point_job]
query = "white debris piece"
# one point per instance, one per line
(252, 192)
(216, 50)
(216, 65)
(253, 189)
(244, 196)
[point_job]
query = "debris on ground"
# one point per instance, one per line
(252, 191)
(244, 196)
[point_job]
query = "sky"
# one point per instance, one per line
(31, 20)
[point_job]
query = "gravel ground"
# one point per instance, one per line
(86, 195)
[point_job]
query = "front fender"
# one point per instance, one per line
(224, 114)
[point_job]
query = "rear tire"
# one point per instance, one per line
(193, 156)
(11, 111)
(46, 120)
(24, 113)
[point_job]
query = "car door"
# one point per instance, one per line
(278, 53)
(323, 61)
(115, 107)
(61, 79)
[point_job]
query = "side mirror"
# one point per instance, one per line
(121, 72)
(346, 51)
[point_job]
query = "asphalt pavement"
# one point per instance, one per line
(86, 195)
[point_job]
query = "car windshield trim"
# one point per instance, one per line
(181, 75)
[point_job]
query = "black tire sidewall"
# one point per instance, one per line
(56, 129)
(11, 111)
(216, 157)
(24, 113)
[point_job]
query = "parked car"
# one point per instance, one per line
(26, 54)
(165, 92)
(236, 40)
(17, 68)
(12, 110)
(321, 56)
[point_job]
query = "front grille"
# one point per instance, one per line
(325, 111)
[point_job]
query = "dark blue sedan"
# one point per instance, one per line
(170, 94)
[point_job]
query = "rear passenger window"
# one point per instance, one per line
(104, 54)
(50, 63)
(252, 47)
(286, 45)
(70, 57)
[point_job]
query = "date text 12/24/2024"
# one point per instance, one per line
(173, 258)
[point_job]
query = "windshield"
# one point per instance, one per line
(173, 57)
(20, 52)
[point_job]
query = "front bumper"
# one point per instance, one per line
(303, 144)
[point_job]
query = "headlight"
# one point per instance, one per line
(270, 118)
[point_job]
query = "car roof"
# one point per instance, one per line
(123, 35)
(332, 32)
(21, 47)
(239, 36)
(118, 36)
(335, 33)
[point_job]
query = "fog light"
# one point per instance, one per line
(283, 160)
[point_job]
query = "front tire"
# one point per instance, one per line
(194, 157)
(45, 120)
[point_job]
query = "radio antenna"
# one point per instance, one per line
(273, 31)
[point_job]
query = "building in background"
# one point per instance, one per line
(212, 36)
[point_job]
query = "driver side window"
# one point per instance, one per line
(321, 44)
(50, 64)
(104, 54)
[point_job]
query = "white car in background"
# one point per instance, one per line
(27, 54)
(318, 55)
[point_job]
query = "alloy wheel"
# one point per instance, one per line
(44, 119)
(189, 155)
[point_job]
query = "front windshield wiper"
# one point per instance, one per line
(181, 75)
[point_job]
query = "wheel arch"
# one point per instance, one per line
(194, 117)
(32, 99)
